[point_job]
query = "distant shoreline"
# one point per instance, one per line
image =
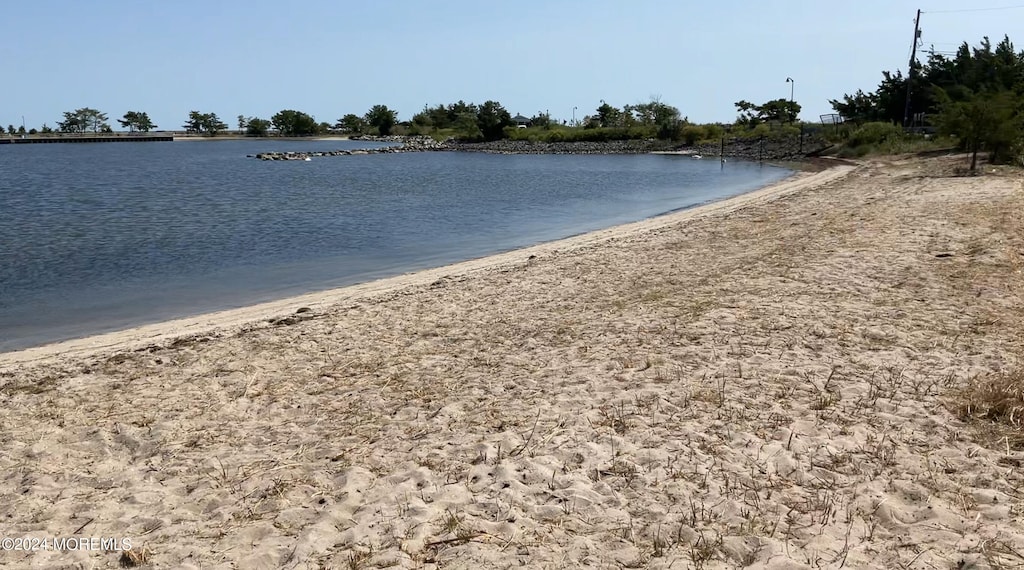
(152, 136)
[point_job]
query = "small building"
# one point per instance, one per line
(521, 121)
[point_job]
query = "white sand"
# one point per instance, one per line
(756, 383)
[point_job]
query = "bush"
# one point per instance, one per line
(787, 131)
(671, 130)
(693, 134)
(874, 134)
(713, 132)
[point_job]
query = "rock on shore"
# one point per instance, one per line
(748, 149)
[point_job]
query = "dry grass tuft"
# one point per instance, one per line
(997, 399)
(133, 558)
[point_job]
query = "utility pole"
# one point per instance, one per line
(910, 72)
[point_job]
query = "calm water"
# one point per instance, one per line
(97, 237)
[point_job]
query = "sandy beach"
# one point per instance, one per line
(762, 382)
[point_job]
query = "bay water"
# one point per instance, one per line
(104, 236)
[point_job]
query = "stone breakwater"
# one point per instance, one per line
(536, 147)
(410, 144)
(780, 149)
(785, 149)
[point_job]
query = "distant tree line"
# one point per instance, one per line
(488, 121)
(976, 96)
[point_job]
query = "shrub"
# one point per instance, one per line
(693, 134)
(874, 134)
(713, 132)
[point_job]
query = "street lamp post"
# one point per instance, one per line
(574, 116)
(792, 86)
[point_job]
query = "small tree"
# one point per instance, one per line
(137, 121)
(654, 112)
(256, 127)
(242, 123)
(541, 120)
(351, 123)
(294, 123)
(204, 123)
(213, 124)
(986, 120)
(777, 110)
(492, 119)
(83, 120)
(382, 118)
(467, 126)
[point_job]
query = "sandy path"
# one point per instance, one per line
(757, 383)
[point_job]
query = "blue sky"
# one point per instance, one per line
(332, 57)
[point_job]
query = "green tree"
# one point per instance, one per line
(467, 127)
(776, 110)
(256, 127)
(83, 120)
(214, 125)
(654, 112)
(242, 123)
(990, 121)
(382, 118)
(46, 129)
(21, 130)
(204, 123)
(351, 123)
(137, 121)
(491, 119)
(194, 123)
(859, 108)
(33, 131)
(608, 116)
(982, 69)
(291, 123)
(781, 111)
(423, 119)
(129, 121)
(72, 123)
(541, 120)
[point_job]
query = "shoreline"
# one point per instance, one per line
(234, 319)
(773, 381)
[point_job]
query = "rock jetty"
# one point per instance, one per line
(409, 144)
(789, 148)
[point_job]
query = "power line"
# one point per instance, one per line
(972, 10)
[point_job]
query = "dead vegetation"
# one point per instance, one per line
(994, 404)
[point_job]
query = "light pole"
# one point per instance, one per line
(792, 86)
(574, 116)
